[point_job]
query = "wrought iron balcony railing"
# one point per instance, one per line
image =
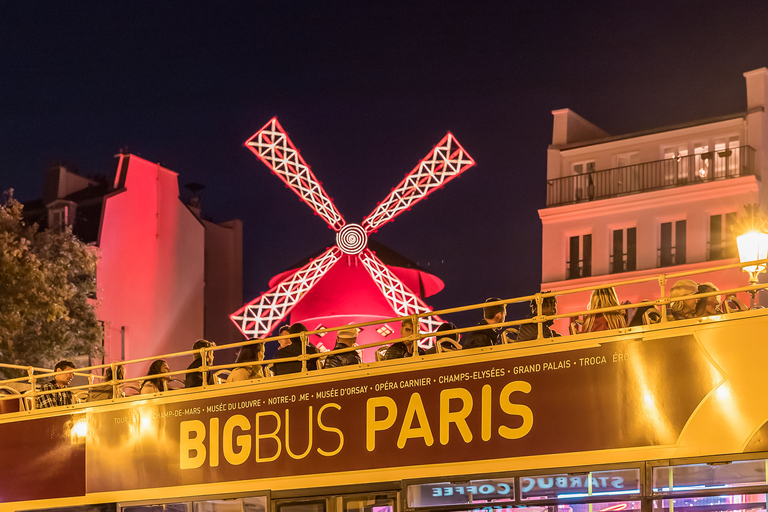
(644, 177)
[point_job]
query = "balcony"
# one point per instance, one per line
(658, 175)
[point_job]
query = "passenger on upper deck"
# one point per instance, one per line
(294, 350)
(61, 380)
(604, 298)
(486, 337)
(707, 306)
(682, 309)
(247, 354)
(195, 379)
(105, 391)
(445, 342)
(645, 315)
(159, 368)
(403, 348)
(344, 339)
(529, 332)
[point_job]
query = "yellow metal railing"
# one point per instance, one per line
(34, 374)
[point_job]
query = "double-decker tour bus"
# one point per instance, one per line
(659, 417)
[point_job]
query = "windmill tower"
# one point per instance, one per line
(349, 274)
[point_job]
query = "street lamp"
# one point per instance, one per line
(753, 246)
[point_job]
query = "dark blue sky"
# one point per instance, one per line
(365, 89)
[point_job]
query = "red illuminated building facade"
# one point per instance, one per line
(664, 200)
(166, 277)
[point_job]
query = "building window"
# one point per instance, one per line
(583, 167)
(672, 250)
(626, 159)
(722, 239)
(676, 164)
(579, 257)
(624, 250)
(727, 157)
(58, 217)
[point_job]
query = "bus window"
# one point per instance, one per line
(377, 503)
(301, 506)
(252, 504)
(164, 507)
(731, 503)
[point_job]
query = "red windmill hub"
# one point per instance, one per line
(273, 147)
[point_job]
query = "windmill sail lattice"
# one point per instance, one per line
(273, 147)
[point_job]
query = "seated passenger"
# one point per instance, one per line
(344, 339)
(293, 349)
(486, 337)
(639, 318)
(60, 381)
(529, 332)
(707, 306)
(403, 348)
(248, 354)
(682, 309)
(445, 342)
(104, 391)
(195, 379)
(159, 383)
(604, 298)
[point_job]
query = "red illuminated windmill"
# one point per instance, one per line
(273, 147)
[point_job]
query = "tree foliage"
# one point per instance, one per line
(46, 278)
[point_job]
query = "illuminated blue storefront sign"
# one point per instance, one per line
(598, 483)
(460, 493)
(497, 489)
(534, 487)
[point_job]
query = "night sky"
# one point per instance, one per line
(365, 89)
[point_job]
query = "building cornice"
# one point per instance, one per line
(647, 136)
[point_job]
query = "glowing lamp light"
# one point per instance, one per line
(78, 431)
(753, 246)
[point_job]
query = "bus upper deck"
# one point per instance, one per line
(506, 426)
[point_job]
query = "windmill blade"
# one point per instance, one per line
(446, 161)
(403, 301)
(257, 318)
(273, 147)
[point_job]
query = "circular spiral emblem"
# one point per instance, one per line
(351, 239)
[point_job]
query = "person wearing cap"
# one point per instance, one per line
(293, 349)
(682, 309)
(486, 337)
(529, 332)
(403, 348)
(60, 381)
(344, 339)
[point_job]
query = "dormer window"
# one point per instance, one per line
(61, 214)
